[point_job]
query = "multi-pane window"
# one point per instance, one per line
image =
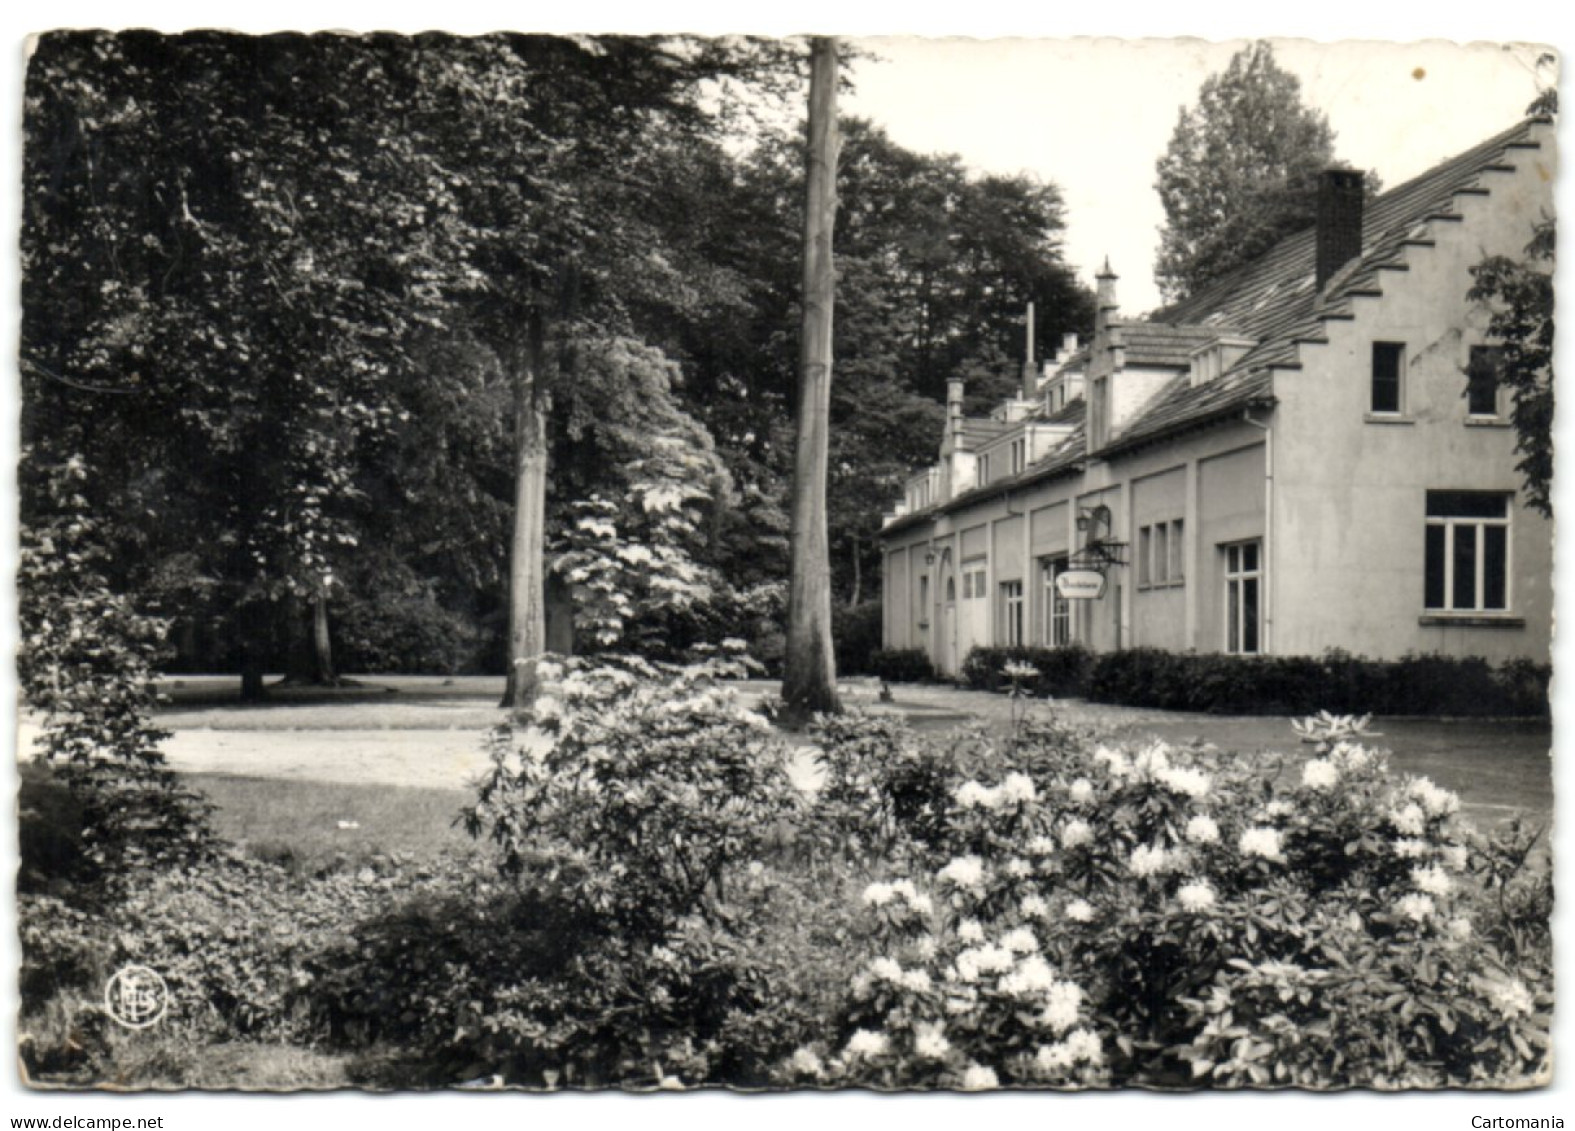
(1388, 372)
(1012, 613)
(1055, 609)
(1099, 412)
(1159, 554)
(1243, 584)
(973, 583)
(1467, 556)
(1482, 380)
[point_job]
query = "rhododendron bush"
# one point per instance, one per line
(1171, 916)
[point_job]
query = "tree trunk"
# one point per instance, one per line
(322, 646)
(858, 576)
(809, 678)
(527, 560)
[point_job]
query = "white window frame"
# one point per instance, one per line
(982, 470)
(1498, 384)
(1019, 456)
(1475, 527)
(1235, 594)
(1012, 613)
(1056, 611)
(1400, 380)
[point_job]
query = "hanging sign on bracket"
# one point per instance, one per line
(1080, 584)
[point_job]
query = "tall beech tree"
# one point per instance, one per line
(809, 677)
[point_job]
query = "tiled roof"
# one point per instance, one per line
(981, 429)
(1066, 456)
(1156, 343)
(1272, 299)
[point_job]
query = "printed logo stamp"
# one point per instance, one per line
(136, 997)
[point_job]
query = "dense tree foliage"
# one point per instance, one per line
(1240, 172)
(283, 297)
(1520, 293)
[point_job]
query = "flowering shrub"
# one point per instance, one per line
(1221, 923)
(631, 815)
(960, 995)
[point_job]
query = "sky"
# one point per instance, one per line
(1053, 110)
(1094, 115)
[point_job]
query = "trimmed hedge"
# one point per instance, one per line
(1275, 685)
(1063, 672)
(855, 634)
(901, 665)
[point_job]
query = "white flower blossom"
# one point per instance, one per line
(1455, 857)
(1041, 846)
(1080, 911)
(1018, 788)
(978, 1078)
(970, 931)
(1082, 791)
(1149, 860)
(886, 969)
(1438, 802)
(878, 894)
(1062, 1001)
(1351, 756)
(1076, 834)
(1196, 896)
(930, 1043)
(1054, 1058)
(1320, 773)
(1460, 928)
(1115, 762)
(1032, 977)
(1034, 907)
(1410, 847)
(1274, 810)
(1409, 819)
(1192, 783)
(806, 1063)
(865, 1042)
(862, 984)
(1021, 940)
(993, 959)
(1085, 1046)
(1202, 830)
(1510, 996)
(1261, 842)
(1414, 906)
(1153, 760)
(1018, 868)
(916, 980)
(1433, 880)
(972, 795)
(964, 872)
(926, 947)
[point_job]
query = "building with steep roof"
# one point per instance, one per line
(1290, 460)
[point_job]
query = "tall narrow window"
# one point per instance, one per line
(1482, 380)
(923, 612)
(1388, 364)
(1057, 610)
(1243, 577)
(1019, 454)
(1467, 552)
(982, 471)
(1145, 569)
(1099, 411)
(1012, 613)
(1161, 570)
(1176, 574)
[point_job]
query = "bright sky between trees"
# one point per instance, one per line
(1094, 115)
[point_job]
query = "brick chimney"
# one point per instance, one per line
(1339, 240)
(954, 410)
(1030, 383)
